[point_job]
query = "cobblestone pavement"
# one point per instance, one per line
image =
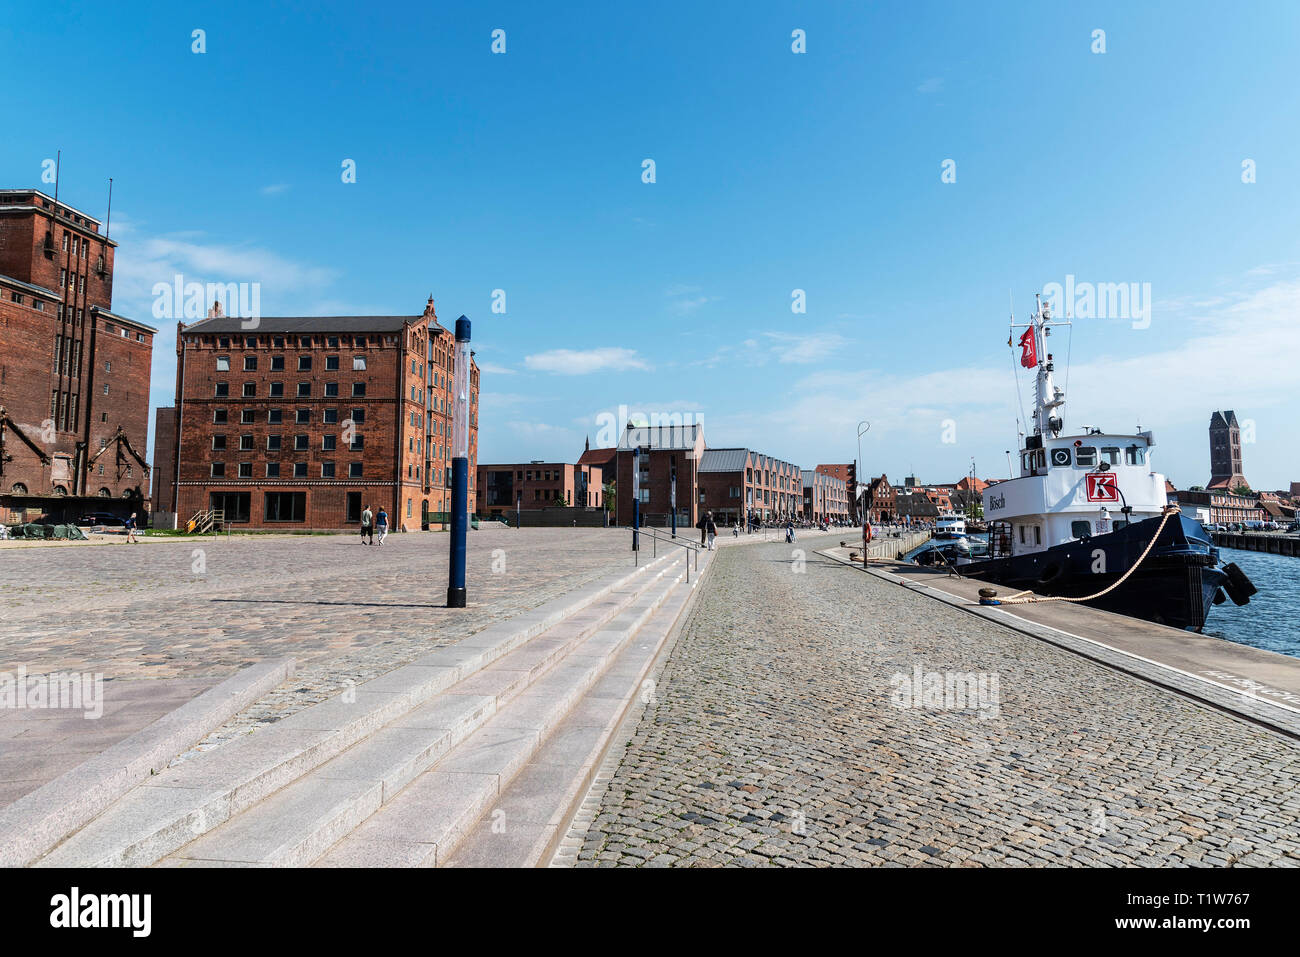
(345, 611)
(777, 737)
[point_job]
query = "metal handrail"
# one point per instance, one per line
(654, 550)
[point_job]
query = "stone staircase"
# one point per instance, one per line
(474, 754)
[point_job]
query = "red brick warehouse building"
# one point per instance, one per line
(304, 421)
(74, 377)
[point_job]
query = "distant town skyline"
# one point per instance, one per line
(830, 235)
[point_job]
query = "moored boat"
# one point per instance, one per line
(1088, 517)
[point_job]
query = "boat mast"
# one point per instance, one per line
(1048, 398)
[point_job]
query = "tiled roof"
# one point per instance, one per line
(597, 456)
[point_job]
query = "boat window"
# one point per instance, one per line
(1040, 458)
(1085, 455)
(1038, 535)
(1022, 534)
(1110, 455)
(1133, 455)
(1120, 523)
(1081, 529)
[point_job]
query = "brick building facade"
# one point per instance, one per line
(663, 450)
(304, 421)
(825, 496)
(534, 485)
(741, 485)
(1225, 452)
(1224, 506)
(880, 501)
(74, 376)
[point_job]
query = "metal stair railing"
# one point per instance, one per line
(654, 549)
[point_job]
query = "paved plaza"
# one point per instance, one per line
(775, 736)
(182, 614)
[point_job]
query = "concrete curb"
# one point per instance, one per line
(1208, 693)
(36, 823)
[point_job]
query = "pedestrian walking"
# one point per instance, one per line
(367, 527)
(711, 528)
(381, 523)
(130, 529)
(702, 525)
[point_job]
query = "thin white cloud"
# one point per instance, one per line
(274, 189)
(494, 369)
(933, 85)
(585, 361)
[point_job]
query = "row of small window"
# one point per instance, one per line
(73, 281)
(79, 244)
(275, 390)
(764, 477)
(300, 342)
(245, 470)
(274, 443)
(1085, 456)
(304, 363)
(19, 298)
(276, 416)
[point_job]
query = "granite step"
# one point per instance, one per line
(298, 823)
(425, 822)
(171, 809)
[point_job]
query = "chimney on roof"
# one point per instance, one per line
(215, 312)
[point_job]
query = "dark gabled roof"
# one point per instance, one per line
(723, 460)
(1223, 420)
(597, 456)
(298, 324)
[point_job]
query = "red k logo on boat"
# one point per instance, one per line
(1029, 351)
(1102, 487)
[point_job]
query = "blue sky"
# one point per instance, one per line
(775, 171)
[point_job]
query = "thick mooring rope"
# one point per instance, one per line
(1027, 596)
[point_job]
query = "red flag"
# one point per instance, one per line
(1029, 352)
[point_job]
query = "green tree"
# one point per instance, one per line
(1242, 490)
(611, 497)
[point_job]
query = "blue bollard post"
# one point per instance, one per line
(459, 468)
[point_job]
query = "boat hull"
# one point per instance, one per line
(1176, 585)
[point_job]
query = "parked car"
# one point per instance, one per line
(100, 518)
(1293, 528)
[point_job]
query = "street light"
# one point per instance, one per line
(863, 428)
(459, 467)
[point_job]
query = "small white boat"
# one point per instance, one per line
(950, 525)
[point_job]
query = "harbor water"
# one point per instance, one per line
(1272, 619)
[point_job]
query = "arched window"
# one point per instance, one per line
(60, 490)
(19, 488)
(105, 493)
